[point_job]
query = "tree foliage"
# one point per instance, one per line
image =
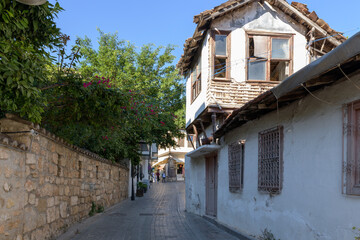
(116, 98)
(27, 33)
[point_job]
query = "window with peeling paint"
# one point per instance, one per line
(196, 80)
(269, 57)
(221, 55)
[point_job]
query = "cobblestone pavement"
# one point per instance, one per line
(159, 215)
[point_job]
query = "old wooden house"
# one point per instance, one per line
(240, 49)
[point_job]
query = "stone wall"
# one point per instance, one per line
(47, 184)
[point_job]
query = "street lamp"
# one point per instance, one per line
(32, 2)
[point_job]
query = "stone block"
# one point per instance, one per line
(29, 186)
(74, 200)
(74, 210)
(41, 220)
(55, 158)
(46, 190)
(35, 147)
(31, 216)
(63, 209)
(50, 215)
(10, 203)
(32, 199)
(4, 154)
(50, 202)
(8, 172)
(7, 187)
(13, 224)
(30, 158)
(42, 205)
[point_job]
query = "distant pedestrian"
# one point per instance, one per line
(163, 176)
(158, 176)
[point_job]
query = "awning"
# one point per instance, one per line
(203, 150)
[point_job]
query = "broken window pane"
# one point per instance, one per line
(220, 45)
(280, 48)
(279, 70)
(220, 68)
(260, 44)
(257, 70)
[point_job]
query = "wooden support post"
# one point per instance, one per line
(202, 128)
(213, 120)
(189, 139)
(196, 134)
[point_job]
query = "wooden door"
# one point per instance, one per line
(211, 185)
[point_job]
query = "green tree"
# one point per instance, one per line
(149, 71)
(111, 115)
(27, 35)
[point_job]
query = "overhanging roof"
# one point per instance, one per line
(322, 72)
(297, 11)
(203, 150)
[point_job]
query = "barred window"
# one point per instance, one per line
(270, 172)
(236, 166)
(352, 144)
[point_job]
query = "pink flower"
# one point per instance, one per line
(97, 76)
(102, 78)
(99, 81)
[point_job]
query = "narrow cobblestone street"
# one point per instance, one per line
(159, 215)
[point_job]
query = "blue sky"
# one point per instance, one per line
(164, 22)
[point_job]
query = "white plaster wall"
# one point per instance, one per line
(258, 17)
(254, 17)
(311, 204)
(195, 108)
(195, 185)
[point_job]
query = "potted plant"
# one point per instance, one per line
(140, 189)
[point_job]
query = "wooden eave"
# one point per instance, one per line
(205, 118)
(297, 11)
(267, 101)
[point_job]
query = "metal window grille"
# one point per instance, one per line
(270, 172)
(236, 166)
(351, 145)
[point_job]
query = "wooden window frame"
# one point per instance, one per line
(227, 56)
(236, 153)
(266, 160)
(270, 36)
(196, 81)
(352, 138)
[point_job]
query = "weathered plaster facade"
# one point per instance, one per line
(255, 17)
(47, 184)
(311, 204)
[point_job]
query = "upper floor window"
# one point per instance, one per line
(269, 57)
(270, 168)
(196, 81)
(221, 55)
(352, 144)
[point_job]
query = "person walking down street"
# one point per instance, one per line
(163, 176)
(158, 176)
